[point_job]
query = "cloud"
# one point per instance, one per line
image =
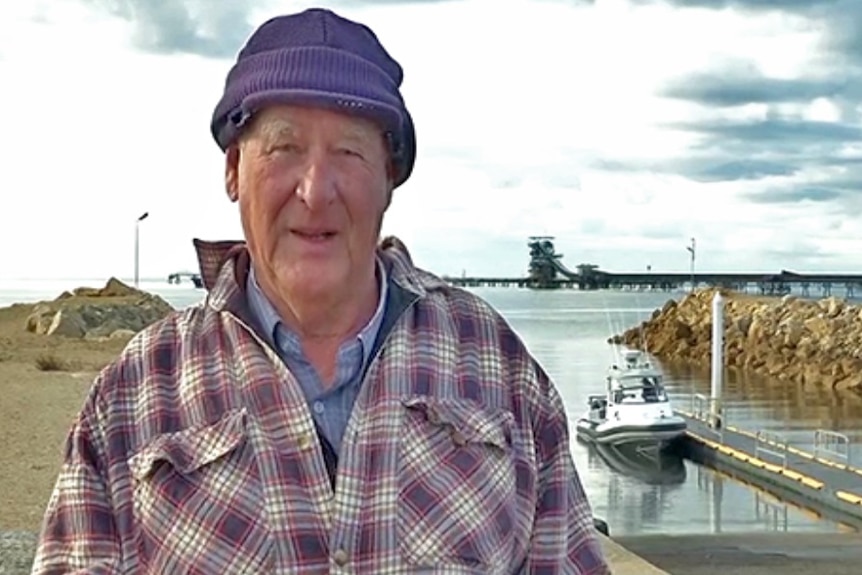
(721, 90)
(386, 2)
(802, 253)
(201, 27)
(798, 6)
(804, 155)
(735, 125)
(592, 226)
(735, 170)
(794, 195)
(205, 27)
(719, 167)
(848, 184)
(775, 130)
(843, 18)
(652, 231)
(774, 113)
(802, 5)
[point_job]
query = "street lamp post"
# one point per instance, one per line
(691, 250)
(141, 218)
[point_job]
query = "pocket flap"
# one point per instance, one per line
(475, 423)
(192, 448)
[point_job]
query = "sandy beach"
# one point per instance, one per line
(43, 381)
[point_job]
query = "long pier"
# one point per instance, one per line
(547, 271)
(764, 283)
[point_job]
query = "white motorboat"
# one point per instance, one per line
(634, 408)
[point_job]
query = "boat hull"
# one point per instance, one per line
(618, 433)
(649, 464)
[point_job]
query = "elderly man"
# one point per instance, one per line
(329, 407)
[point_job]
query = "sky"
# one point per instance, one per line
(622, 128)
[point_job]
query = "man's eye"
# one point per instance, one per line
(282, 147)
(350, 152)
(291, 148)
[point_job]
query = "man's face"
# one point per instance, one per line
(312, 186)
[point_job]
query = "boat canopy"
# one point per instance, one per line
(639, 389)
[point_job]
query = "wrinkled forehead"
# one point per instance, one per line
(288, 122)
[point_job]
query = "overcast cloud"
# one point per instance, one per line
(621, 127)
(803, 127)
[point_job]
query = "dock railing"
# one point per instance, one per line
(702, 408)
(832, 444)
(772, 444)
(828, 444)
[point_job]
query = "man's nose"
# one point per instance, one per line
(316, 187)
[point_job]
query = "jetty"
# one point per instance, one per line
(178, 277)
(546, 270)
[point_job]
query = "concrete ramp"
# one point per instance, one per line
(625, 562)
(751, 553)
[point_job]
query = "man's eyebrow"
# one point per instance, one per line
(277, 130)
(360, 134)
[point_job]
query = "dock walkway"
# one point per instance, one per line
(764, 459)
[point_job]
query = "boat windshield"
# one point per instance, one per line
(640, 390)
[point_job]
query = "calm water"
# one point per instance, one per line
(567, 331)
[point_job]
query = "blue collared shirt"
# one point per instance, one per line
(330, 407)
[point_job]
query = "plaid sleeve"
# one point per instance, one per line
(78, 533)
(564, 537)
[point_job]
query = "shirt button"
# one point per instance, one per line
(318, 407)
(433, 417)
(340, 557)
(458, 438)
(304, 441)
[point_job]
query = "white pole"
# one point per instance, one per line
(692, 264)
(691, 249)
(141, 218)
(717, 357)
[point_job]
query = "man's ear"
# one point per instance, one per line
(231, 172)
(390, 184)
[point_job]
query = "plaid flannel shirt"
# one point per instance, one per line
(195, 451)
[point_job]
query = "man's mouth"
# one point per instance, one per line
(314, 235)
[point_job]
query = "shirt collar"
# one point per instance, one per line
(269, 321)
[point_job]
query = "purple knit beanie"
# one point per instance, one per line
(318, 58)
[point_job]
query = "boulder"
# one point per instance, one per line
(810, 342)
(68, 323)
(113, 311)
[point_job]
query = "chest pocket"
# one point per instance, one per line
(198, 503)
(456, 481)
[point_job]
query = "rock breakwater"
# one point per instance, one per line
(116, 310)
(810, 342)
